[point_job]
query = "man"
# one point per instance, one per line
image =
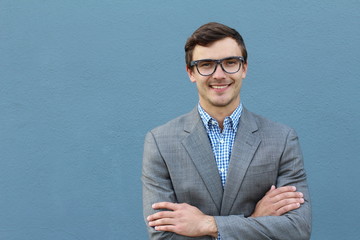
(220, 171)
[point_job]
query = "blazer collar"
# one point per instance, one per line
(245, 144)
(198, 146)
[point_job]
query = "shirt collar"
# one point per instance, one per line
(233, 118)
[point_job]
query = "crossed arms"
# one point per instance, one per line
(283, 212)
(187, 220)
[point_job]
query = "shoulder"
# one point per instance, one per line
(267, 126)
(177, 126)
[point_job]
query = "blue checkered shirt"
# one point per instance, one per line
(221, 141)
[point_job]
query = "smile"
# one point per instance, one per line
(220, 87)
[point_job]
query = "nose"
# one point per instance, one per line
(219, 73)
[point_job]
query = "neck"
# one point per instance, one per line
(220, 113)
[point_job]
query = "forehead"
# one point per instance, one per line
(226, 47)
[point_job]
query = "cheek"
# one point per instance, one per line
(240, 83)
(201, 85)
(201, 81)
(196, 78)
(238, 80)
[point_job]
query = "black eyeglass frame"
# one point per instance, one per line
(217, 61)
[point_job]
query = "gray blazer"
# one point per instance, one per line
(179, 166)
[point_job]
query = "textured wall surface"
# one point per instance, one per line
(81, 82)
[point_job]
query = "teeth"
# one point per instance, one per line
(219, 87)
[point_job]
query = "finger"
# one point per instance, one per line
(283, 190)
(164, 205)
(165, 228)
(288, 208)
(280, 190)
(272, 188)
(161, 222)
(287, 195)
(289, 201)
(159, 215)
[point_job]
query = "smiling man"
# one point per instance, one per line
(220, 171)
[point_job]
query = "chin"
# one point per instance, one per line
(221, 104)
(224, 102)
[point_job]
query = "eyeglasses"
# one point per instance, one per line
(207, 67)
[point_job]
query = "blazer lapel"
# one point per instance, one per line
(245, 145)
(198, 147)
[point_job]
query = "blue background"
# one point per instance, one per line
(81, 82)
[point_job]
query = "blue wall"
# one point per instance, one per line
(82, 81)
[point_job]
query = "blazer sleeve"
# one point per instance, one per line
(296, 224)
(157, 187)
(156, 183)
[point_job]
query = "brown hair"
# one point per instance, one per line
(209, 33)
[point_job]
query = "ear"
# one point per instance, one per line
(245, 67)
(190, 74)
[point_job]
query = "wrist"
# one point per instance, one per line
(210, 227)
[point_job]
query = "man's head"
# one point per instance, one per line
(210, 33)
(216, 62)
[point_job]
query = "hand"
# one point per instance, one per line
(278, 201)
(182, 219)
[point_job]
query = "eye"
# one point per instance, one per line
(205, 64)
(231, 62)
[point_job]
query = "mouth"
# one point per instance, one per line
(219, 88)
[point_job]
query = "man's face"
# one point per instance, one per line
(221, 89)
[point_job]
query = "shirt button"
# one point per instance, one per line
(222, 170)
(222, 141)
